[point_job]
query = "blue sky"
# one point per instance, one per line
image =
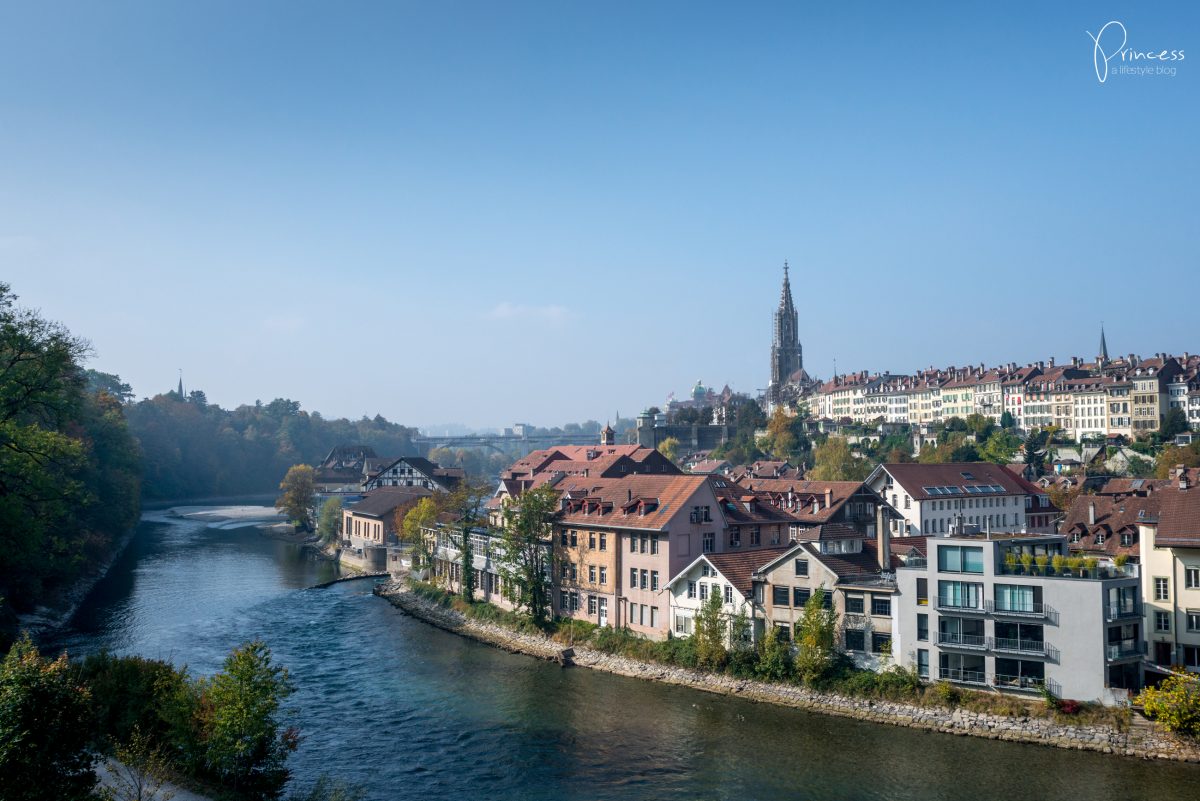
(486, 212)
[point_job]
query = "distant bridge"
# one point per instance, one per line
(503, 443)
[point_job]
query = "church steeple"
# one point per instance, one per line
(787, 357)
(1103, 345)
(181, 382)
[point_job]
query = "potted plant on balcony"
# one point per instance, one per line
(1027, 562)
(1074, 563)
(1010, 561)
(1059, 561)
(1089, 566)
(1120, 559)
(1042, 561)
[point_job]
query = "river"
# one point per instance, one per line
(412, 712)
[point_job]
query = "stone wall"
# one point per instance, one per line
(1144, 739)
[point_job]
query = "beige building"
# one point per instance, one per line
(1170, 556)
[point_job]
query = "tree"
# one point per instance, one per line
(329, 521)
(1063, 497)
(710, 633)
(245, 745)
(815, 635)
(1007, 421)
(1141, 468)
(299, 489)
(1175, 422)
(981, 426)
(1174, 703)
(466, 503)
(669, 448)
(1173, 455)
(411, 526)
(834, 461)
(525, 550)
(774, 656)
(1035, 453)
(1000, 447)
(140, 770)
(44, 729)
(781, 441)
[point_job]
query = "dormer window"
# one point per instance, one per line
(1099, 538)
(1126, 538)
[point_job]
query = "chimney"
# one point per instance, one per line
(1183, 480)
(828, 497)
(1092, 513)
(883, 539)
(630, 493)
(1051, 361)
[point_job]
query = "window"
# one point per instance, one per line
(592, 540)
(728, 594)
(855, 640)
(683, 624)
(645, 578)
(564, 601)
(633, 543)
(1162, 621)
(691, 592)
(854, 604)
(735, 537)
(1162, 589)
(960, 559)
(783, 632)
(574, 571)
(603, 575)
(574, 601)
(633, 578)
(654, 580)
(574, 538)
(1127, 540)
(603, 541)
(755, 535)
(564, 539)
(922, 592)
(654, 617)
(779, 595)
(801, 567)
(827, 600)
(881, 605)
(1193, 578)
(591, 604)
(703, 591)
(1193, 620)
(801, 595)
(923, 627)
(880, 642)
(643, 543)
(653, 543)
(592, 573)
(923, 663)
(709, 541)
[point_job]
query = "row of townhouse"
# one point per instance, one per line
(1128, 396)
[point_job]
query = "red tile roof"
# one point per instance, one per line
(738, 567)
(914, 477)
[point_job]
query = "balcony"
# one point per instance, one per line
(956, 605)
(1126, 649)
(952, 640)
(1028, 647)
(1027, 683)
(1124, 610)
(962, 676)
(1029, 610)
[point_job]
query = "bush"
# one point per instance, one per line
(1175, 704)
(679, 651)
(947, 693)
(774, 657)
(129, 693)
(570, 631)
(743, 663)
(1069, 706)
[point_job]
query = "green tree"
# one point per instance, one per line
(1172, 455)
(525, 550)
(815, 635)
(669, 448)
(1000, 447)
(781, 439)
(424, 514)
(329, 521)
(1035, 449)
(298, 490)
(833, 460)
(466, 504)
(141, 769)
(1007, 421)
(246, 747)
(44, 729)
(980, 425)
(774, 656)
(1141, 468)
(710, 633)
(1174, 703)
(1174, 422)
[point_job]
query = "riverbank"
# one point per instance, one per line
(1143, 739)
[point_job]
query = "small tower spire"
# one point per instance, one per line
(1103, 344)
(180, 382)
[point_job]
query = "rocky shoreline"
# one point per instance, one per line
(1144, 739)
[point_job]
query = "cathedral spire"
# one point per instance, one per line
(786, 355)
(1103, 344)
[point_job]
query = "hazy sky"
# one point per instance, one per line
(488, 212)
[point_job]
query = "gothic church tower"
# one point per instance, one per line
(787, 356)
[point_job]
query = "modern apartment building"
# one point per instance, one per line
(929, 498)
(993, 612)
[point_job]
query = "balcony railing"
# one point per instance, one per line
(962, 676)
(959, 605)
(961, 640)
(1036, 647)
(1124, 610)
(1032, 683)
(1124, 649)
(1129, 570)
(1038, 610)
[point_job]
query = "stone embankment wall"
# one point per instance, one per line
(1143, 740)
